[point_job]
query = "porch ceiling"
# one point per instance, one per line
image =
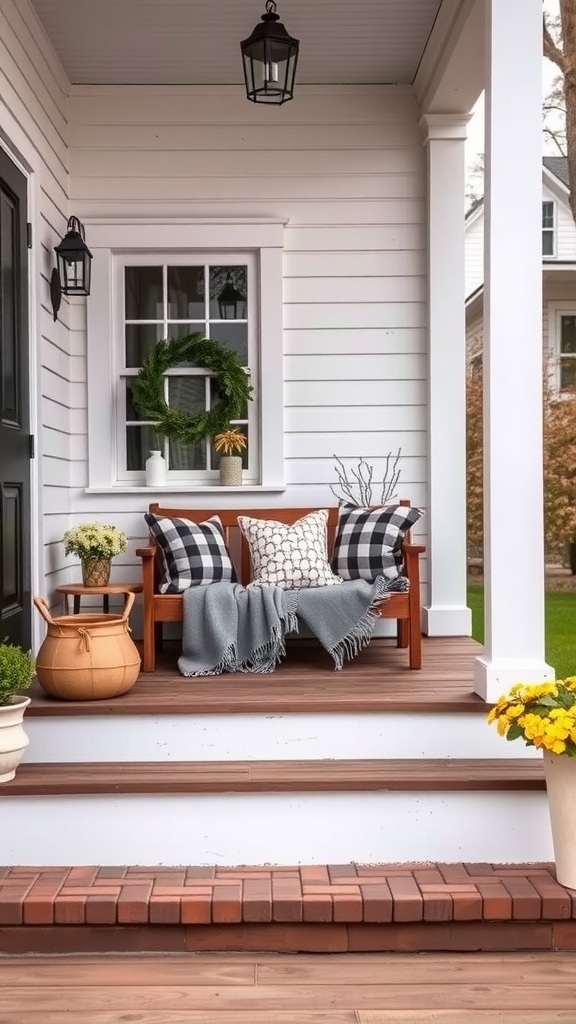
(196, 42)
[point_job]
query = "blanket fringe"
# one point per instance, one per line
(359, 637)
(263, 659)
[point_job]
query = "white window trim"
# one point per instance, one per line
(111, 237)
(553, 231)
(555, 311)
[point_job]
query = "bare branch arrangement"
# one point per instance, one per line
(356, 488)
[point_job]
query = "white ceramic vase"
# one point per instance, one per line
(231, 470)
(13, 739)
(155, 470)
(560, 772)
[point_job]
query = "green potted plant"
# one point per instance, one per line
(16, 674)
(230, 444)
(543, 714)
(95, 544)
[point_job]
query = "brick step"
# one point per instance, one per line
(277, 776)
(321, 908)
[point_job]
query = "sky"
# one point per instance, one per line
(475, 139)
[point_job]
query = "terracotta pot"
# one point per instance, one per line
(87, 657)
(13, 739)
(95, 572)
(560, 772)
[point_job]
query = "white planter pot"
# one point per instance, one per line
(231, 470)
(13, 739)
(560, 772)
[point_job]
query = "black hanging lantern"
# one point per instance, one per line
(270, 56)
(74, 263)
(231, 303)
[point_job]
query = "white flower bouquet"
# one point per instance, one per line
(94, 540)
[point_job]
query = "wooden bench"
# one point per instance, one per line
(160, 608)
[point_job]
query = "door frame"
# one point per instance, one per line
(34, 383)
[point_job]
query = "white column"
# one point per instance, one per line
(513, 517)
(447, 613)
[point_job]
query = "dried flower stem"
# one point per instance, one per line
(360, 481)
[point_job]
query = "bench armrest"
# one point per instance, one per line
(146, 552)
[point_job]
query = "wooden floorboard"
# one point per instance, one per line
(478, 988)
(351, 775)
(377, 680)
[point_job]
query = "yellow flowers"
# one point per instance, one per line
(230, 442)
(542, 714)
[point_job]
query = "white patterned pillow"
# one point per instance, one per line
(291, 556)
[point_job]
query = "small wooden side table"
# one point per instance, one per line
(78, 591)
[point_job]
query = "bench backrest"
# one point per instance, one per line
(235, 540)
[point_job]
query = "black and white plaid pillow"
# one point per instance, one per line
(193, 553)
(368, 542)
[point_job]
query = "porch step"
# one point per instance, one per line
(322, 908)
(377, 680)
(277, 776)
(256, 812)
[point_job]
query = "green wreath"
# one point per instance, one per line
(233, 386)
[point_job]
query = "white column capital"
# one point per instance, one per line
(444, 126)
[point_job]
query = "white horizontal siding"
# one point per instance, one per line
(355, 367)
(565, 232)
(339, 106)
(198, 137)
(358, 340)
(474, 248)
(322, 445)
(354, 290)
(344, 168)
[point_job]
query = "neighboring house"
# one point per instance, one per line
(558, 275)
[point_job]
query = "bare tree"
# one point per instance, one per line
(560, 48)
(554, 119)
(475, 184)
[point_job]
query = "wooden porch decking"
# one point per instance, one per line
(377, 680)
(292, 989)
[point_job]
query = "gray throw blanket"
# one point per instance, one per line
(230, 628)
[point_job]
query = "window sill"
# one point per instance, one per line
(184, 488)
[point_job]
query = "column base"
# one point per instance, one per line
(447, 620)
(493, 678)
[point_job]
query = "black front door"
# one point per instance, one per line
(15, 450)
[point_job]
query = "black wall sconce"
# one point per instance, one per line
(269, 56)
(231, 303)
(71, 276)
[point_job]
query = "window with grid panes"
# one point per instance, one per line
(548, 234)
(567, 358)
(169, 300)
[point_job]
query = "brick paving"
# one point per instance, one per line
(318, 908)
(318, 894)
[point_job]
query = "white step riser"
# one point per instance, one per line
(276, 828)
(265, 737)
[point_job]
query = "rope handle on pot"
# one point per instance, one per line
(129, 599)
(44, 610)
(85, 636)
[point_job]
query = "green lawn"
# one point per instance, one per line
(560, 628)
